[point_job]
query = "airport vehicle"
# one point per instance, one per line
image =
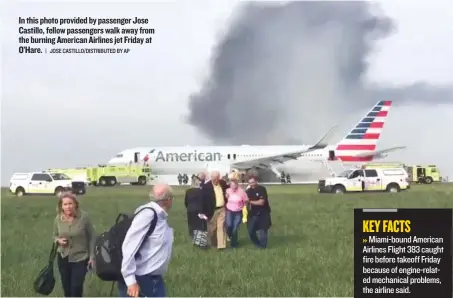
(359, 145)
(364, 180)
(76, 174)
(108, 175)
(43, 183)
(383, 165)
(423, 174)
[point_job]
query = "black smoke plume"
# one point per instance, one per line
(284, 73)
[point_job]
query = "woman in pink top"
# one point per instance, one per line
(236, 199)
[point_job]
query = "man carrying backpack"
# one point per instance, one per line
(146, 258)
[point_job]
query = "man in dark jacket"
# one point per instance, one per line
(259, 215)
(202, 178)
(214, 201)
(194, 205)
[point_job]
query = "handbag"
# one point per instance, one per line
(45, 281)
(200, 237)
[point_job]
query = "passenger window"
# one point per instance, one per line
(371, 173)
(434, 170)
(46, 177)
(355, 174)
(40, 177)
(234, 156)
(228, 156)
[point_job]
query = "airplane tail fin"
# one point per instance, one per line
(363, 138)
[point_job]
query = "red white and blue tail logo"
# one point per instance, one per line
(363, 138)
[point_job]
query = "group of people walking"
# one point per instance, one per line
(145, 255)
(213, 205)
(218, 207)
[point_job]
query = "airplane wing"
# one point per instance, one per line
(380, 151)
(267, 161)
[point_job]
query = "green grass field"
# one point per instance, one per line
(310, 244)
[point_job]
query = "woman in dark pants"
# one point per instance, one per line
(74, 234)
(193, 203)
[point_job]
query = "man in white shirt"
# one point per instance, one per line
(145, 259)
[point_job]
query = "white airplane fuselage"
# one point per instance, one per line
(190, 160)
(358, 145)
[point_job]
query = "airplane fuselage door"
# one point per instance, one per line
(331, 154)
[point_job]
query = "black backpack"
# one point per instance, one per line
(45, 281)
(108, 253)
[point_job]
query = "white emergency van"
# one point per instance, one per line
(364, 180)
(39, 183)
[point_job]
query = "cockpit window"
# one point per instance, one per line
(119, 155)
(152, 151)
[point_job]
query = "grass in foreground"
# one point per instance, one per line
(310, 246)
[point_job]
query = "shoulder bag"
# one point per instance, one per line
(45, 281)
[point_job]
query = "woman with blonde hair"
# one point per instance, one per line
(236, 176)
(236, 200)
(75, 236)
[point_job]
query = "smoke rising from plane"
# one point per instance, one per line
(296, 67)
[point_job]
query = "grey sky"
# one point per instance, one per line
(68, 110)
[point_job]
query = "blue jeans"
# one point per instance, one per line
(150, 286)
(259, 240)
(72, 276)
(232, 222)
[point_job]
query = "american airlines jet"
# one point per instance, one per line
(359, 145)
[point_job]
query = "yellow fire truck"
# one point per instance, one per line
(104, 175)
(423, 174)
